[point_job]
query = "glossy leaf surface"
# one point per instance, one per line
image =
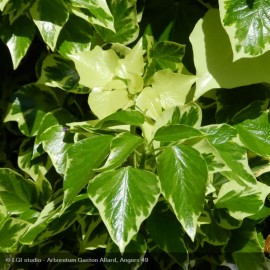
(183, 175)
(80, 164)
(124, 198)
(247, 23)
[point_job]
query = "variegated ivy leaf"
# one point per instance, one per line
(183, 175)
(213, 233)
(189, 114)
(57, 71)
(50, 119)
(93, 232)
(11, 230)
(75, 37)
(15, 9)
(133, 118)
(213, 58)
(168, 54)
(81, 164)
(247, 240)
(29, 105)
(49, 17)
(214, 162)
(34, 167)
(241, 201)
(97, 12)
(17, 194)
(178, 132)
(125, 22)
(248, 26)
(224, 220)
(41, 223)
(248, 102)
(17, 38)
(56, 141)
(52, 221)
(225, 141)
(255, 134)
(124, 198)
(163, 55)
(122, 146)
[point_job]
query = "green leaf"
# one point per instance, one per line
(254, 133)
(168, 54)
(224, 139)
(213, 59)
(59, 72)
(100, 13)
(75, 37)
(81, 164)
(247, 24)
(17, 194)
(237, 105)
(225, 221)
(18, 39)
(49, 17)
(133, 257)
(52, 221)
(56, 141)
(262, 214)
(125, 22)
(242, 201)
(50, 119)
(176, 133)
(183, 175)
(29, 105)
(11, 230)
(215, 234)
(93, 233)
(166, 231)
(133, 118)
(122, 147)
(96, 68)
(16, 9)
(246, 249)
(40, 225)
(44, 189)
(189, 114)
(124, 198)
(35, 168)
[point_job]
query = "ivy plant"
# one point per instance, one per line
(135, 134)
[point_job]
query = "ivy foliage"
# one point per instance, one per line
(134, 133)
